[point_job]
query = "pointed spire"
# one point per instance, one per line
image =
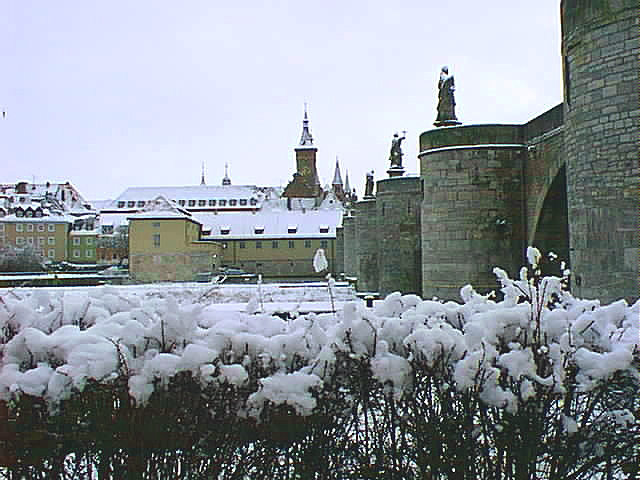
(347, 187)
(202, 182)
(337, 178)
(226, 181)
(306, 140)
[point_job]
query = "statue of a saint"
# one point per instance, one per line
(395, 157)
(368, 187)
(446, 100)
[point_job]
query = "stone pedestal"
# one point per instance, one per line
(395, 172)
(447, 123)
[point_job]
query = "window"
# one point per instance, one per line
(51, 253)
(192, 203)
(274, 244)
(41, 227)
(19, 213)
(76, 253)
(253, 202)
(324, 243)
(243, 202)
(155, 224)
(1, 227)
(38, 213)
(156, 240)
(19, 227)
(182, 203)
(225, 230)
(258, 230)
(212, 203)
(292, 229)
(30, 241)
(107, 229)
(88, 253)
(51, 240)
(76, 241)
(120, 204)
(28, 213)
(292, 244)
(19, 240)
(324, 228)
(233, 203)
(131, 204)
(243, 244)
(40, 241)
(51, 227)
(307, 244)
(258, 243)
(89, 241)
(222, 203)
(202, 203)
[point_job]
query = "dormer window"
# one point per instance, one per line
(324, 228)
(192, 203)
(225, 230)
(292, 229)
(233, 203)
(131, 204)
(202, 203)
(29, 213)
(212, 203)
(243, 202)
(259, 230)
(38, 213)
(182, 203)
(222, 203)
(253, 202)
(140, 203)
(120, 204)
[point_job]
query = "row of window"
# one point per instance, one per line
(19, 212)
(291, 243)
(260, 230)
(31, 241)
(87, 253)
(77, 240)
(192, 203)
(30, 227)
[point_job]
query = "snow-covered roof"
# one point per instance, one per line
(205, 196)
(274, 223)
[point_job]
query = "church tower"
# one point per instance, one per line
(305, 183)
(336, 184)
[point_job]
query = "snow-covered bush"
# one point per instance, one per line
(536, 385)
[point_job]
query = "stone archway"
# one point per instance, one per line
(552, 228)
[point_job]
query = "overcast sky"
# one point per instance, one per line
(114, 94)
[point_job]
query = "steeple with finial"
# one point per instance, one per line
(202, 182)
(306, 182)
(336, 184)
(306, 139)
(226, 181)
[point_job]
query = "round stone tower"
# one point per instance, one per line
(601, 47)
(349, 238)
(398, 202)
(472, 211)
(366, 245)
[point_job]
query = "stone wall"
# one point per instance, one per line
(339, 249)
(601, 47)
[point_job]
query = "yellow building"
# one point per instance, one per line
(47, 236)
(165, 244)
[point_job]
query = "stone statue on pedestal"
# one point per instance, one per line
(368, 187)
(446, 100)
(395, 157)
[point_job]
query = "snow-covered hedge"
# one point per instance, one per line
(537, 385)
